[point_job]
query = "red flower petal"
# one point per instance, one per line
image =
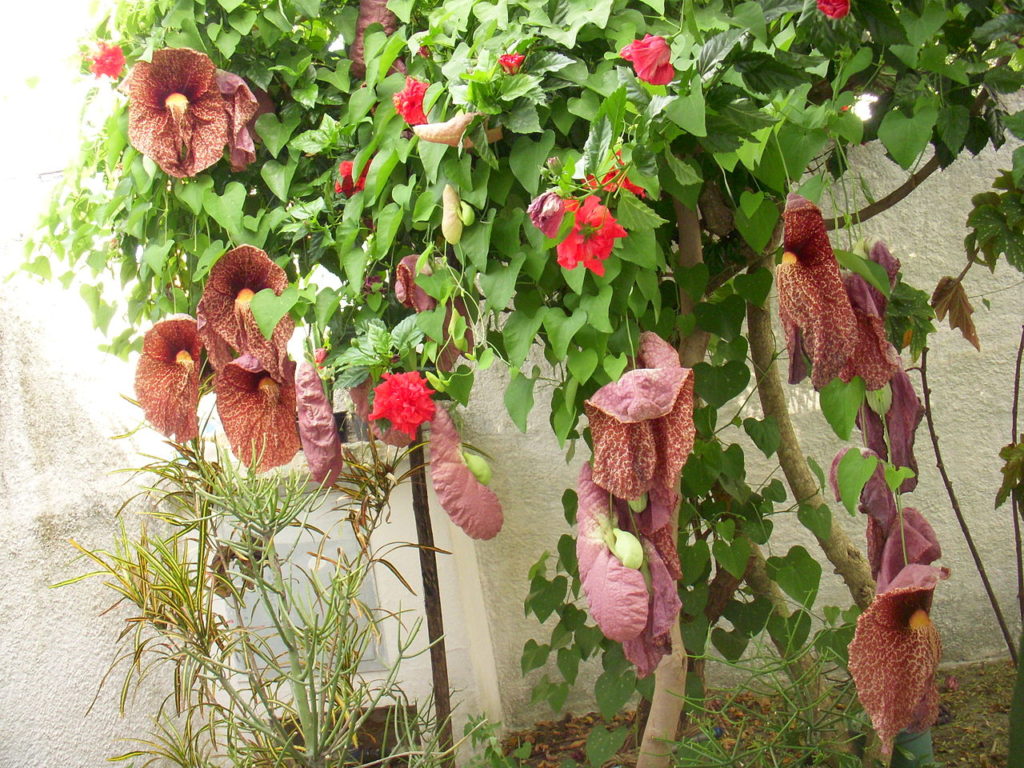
(405, 400)
(236, 277)
(511, 62)
(651, 58)
(811, 294)
(409, 101)
(592, 237)
(317, 430)
(361, 400)
(167, 377)
(176, 114)
(107, 61)
(258, 412)
(469, 503)
(834, 9)
(894, 654)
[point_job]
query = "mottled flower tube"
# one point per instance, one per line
(642, 424)
(167, 377)
(317, 430)
(242, 108)
(470, 504)
(874, 358)
(225, 305)
(813, 304)
(616, 595)
(176, 113)
(894, 653)
(258, 412)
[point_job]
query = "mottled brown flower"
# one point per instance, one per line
(176, 114)
(225, 306)
(258, 412)
(167, 377)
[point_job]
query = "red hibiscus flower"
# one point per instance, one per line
(511, 62)
(347, 186)
(404, 399)
(592, 237)
(108, 60)
(834, 9)
(652, 59)
(409, 101)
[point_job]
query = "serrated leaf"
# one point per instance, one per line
(951, 298)
(599, 143)
(636, 215)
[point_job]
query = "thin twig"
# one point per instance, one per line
(956, 508)
(879, 206)
(1014, 506)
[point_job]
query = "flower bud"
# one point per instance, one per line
(478, 466)
(451, 224)
(628, 549)
(880, 400)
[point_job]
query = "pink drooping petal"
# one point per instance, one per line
(654, 352)
(646, 650)
(616, 595)
(469, 503)
(916, 545)
(811, 293)
(317, 430)
(894, 653)
(242, 107)
(902, 420)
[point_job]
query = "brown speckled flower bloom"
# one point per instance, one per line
(176, 115)
(258, 412)
(167, 377)
(894, 654)
(238, 276)
(812, 301)
(242, 107)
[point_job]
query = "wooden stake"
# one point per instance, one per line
(432, 599)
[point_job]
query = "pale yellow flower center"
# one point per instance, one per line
(269, 388)
(244, 298)
(176, 103)
(920, 619)
(184, 358)
(789, 258)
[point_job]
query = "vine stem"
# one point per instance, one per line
(956, 507)
(1014, 506)
(847, 560)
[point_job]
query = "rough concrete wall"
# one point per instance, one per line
(56, 460)
(971, 396)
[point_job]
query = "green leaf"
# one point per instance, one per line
(155, 255)
(613, 690)
(534, 656)
(874, 273)
(763, 73)
(230, 5)
(227, 209)
(840, 402)
(755, 286)
(635, 215)
(561, 328)
(599, 142)
(688, 112)
(268, 308)
(582, 363)
(756, 218)
(818, 520)
(519, 399)
(906, 137)
(733, 557)
(722, 318)
(717, 385)
(275, 134)
(193, 191)
(852, 475)
(730, 644)
(797, 573)
(519, 333)
(602, 744)
(327, 302)
(765, 434)
(279, 177)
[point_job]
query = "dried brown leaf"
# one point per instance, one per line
(950, 297)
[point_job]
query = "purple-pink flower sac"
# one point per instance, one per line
(243, 108)
(317, 431)
(904, 415)
(646, 650)
(546, 212)
(406, 291)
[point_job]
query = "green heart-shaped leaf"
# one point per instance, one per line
(840, 401)
(733, 557)
(279, 177)
(730, 644)
(612, 690)
(797, 573)
(582, 363)
(717, 385)
(274, 132)
(614, 365)
(602, 744)
(192, 192)
(906, 137)
(818, 520)
(561, 328)
(268, 308)
(852, 475)
(754, 287)
(755, 219)
(226, 209)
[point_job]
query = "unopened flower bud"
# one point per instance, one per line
(546, 212)
(880, 400)
(478, 466)
(628, 549)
